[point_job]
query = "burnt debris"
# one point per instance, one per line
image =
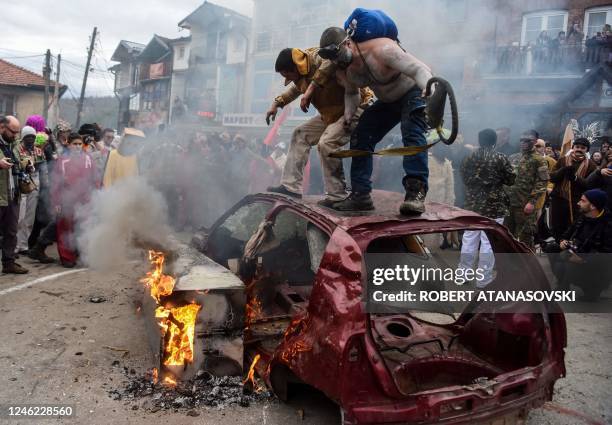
(204, 390)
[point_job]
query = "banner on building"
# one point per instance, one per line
(244, 120)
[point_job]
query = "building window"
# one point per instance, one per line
(264, 42)
(552, 22)
(595, 19)
(181, 52)
(7, 104)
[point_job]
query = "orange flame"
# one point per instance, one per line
(178, 329)
(169, 381)
(251, 376)
(160, 284)
(253, 311)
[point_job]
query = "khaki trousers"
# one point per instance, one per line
(328, 138)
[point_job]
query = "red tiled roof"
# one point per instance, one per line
(13, 75)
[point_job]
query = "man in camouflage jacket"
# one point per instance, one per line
(484, 174)
(532, 179)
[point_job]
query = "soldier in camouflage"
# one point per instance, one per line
(484, 174)
(530, 184)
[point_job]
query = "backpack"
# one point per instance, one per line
(366, 24)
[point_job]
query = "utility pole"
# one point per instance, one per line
(56, 91)
(47, 75)
(82, 97)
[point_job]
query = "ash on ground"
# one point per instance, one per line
(204, 390)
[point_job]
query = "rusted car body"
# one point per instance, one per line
(307, 321)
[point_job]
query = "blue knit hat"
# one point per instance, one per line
(597, 197)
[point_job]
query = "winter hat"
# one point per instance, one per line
(41, 139)
(582, 141)
(597, 197)
(27, 131)
(37, 122)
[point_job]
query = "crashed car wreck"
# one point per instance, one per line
(280, 283)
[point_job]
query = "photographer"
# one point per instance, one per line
(10, 169)
(577, 258)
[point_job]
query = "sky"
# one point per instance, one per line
(65, 26)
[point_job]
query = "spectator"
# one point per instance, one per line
(531, 180)
(602, 179)
(568, 176)
(123, 162)
(542, 230)
(34, 157)
(73, 181)
(10, 167)
(279, 156)
(605, 145)
(503, 144)
(100, 156)
(442, 186)
(484, 173)
(597, 158)
(574, 259)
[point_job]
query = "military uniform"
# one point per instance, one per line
(484, 173)
(532, 178)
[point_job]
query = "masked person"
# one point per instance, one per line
(398, 80)
(569, 176)
(531, 180)
(307, 73)
(10, 169)
(123, 162)
(73, 181)
(35, 157)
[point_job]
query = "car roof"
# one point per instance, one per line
(386, 210)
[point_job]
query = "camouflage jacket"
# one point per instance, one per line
(484, 174)
(531, 180)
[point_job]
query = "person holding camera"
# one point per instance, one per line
(577, 257)
(10, 169)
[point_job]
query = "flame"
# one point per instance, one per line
(153, 374)
(169, 381)
(160, 284)
(253, 311)
(178, 329)
(251, 376)
(298, 346)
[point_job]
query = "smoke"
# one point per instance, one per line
(119, 221)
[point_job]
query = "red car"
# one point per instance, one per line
(305, 270)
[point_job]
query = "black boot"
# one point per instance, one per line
(13, 268)
(355, 202)
(283, 191)
(37, 252)
(414, 201)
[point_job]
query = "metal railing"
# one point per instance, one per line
(541, 60)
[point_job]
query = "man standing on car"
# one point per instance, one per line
(398, 80)
(308, 74)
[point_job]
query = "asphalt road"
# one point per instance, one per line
(59, 347)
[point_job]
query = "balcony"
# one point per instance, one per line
(545, 61)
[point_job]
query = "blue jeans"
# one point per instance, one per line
(376, 122)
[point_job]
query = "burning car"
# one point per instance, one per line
(297, 315)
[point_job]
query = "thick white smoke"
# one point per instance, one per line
(120, 221)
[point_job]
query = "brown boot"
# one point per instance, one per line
(13, 268)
